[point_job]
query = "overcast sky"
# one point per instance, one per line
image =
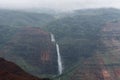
(59, 4)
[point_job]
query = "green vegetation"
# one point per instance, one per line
(6, 32)
(23, 19)
(31, 49)
(78, 34)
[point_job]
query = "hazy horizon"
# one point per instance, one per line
(62, 5)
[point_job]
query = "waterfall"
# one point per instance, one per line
(52, 38)
(59, 60)
(60, 68)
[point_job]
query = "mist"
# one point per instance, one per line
(63, 5)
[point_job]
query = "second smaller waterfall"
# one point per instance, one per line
(52, 38)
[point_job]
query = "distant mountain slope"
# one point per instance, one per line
(19, 18)
(79, 37)
(99, 11)
(10, 71)
(105, 63)
(32, 49)
(111, 53)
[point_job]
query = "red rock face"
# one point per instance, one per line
(45, 57)
(10, 71)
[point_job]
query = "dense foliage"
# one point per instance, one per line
(6, 33)
(21, 19)
(30, 48)
(79, 34)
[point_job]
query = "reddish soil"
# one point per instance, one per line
(89, 70)
(107, 61)
(111, 57)
(34, 47)
(10, 71)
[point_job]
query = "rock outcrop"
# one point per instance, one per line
(10, 71)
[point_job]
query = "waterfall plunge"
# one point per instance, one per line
(59, 60)
(60, 68)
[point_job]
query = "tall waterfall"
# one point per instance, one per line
(59, 60)
(60, 68)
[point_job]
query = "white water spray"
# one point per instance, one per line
(52, 38)
(59, 60)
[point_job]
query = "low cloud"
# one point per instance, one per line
(59, 4)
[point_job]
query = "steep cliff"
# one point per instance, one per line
(32, 49)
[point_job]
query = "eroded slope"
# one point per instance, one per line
(32, 49)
